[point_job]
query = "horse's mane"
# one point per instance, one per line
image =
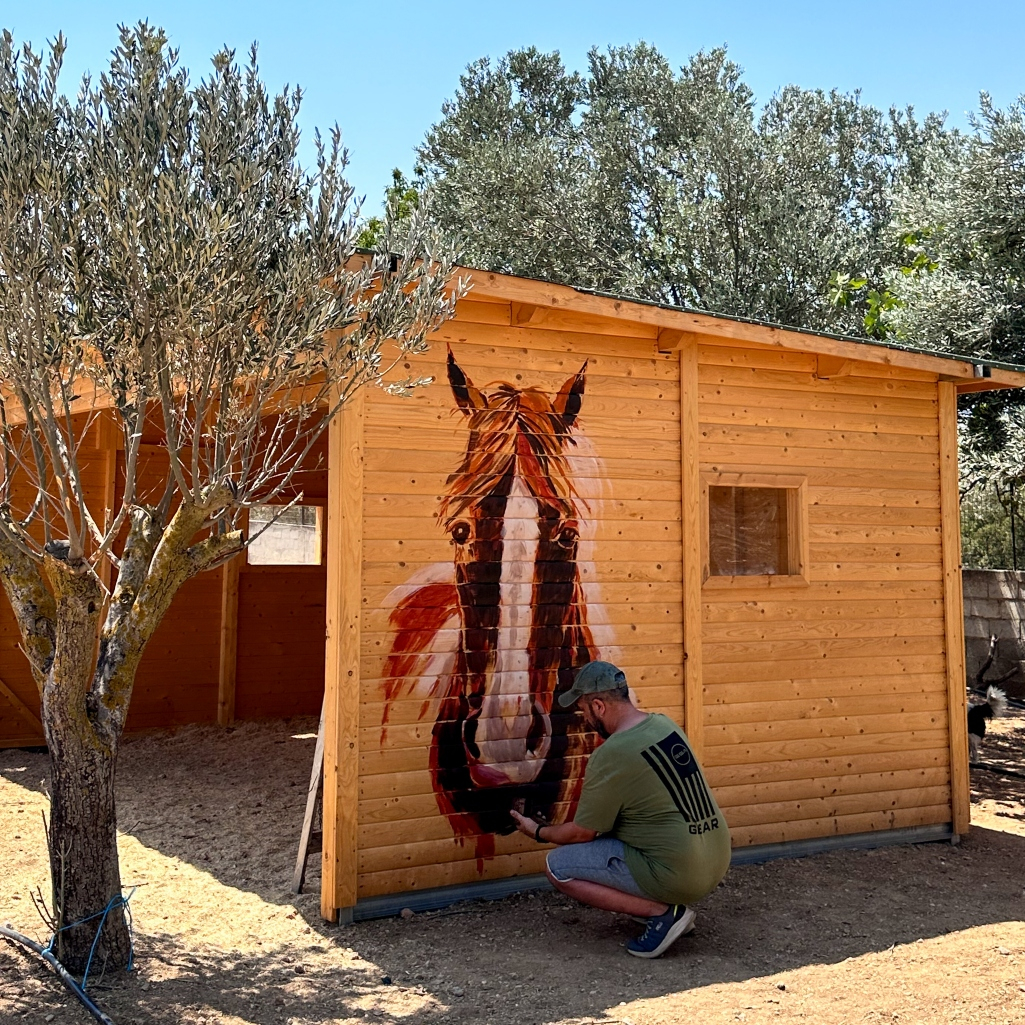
(518, 431)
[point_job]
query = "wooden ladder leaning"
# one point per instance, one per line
(314, 802)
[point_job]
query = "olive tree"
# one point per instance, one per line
(167, 266)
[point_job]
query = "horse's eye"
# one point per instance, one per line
(568, 536)
(461, 532)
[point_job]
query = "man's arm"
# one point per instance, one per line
(564, 833)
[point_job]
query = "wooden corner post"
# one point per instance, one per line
(690, 496)
(953, 609)
(227, 670)
(342, 662)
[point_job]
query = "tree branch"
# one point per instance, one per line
(33, 604)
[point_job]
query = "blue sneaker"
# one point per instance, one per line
(662, 931)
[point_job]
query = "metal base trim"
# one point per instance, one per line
(442, 896)
(848, 842)
(495, 889)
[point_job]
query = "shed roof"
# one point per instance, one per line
(540, 300)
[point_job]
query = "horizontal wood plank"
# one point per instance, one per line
(798, 417)
(820, 747)
(826, 687)
(835, 806)
(848, 708)
(840, 727)
(875, 783)
(815, 766)
(844, 825)
(834, 629)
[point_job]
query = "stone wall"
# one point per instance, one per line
(994, 604)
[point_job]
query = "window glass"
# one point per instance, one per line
(747, 531)
(293, 539)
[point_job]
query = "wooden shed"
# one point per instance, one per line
(760, 525)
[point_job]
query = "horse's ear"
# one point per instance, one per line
(468, 398)
(571, 394)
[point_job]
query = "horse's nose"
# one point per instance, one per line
(506, 749)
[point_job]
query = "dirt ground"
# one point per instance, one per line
(210, 818)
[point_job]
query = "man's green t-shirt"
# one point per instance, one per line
(643, 786)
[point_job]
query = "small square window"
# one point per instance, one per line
(754, 528)
(293, 539)
(747, 531)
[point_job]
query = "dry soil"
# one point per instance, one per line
(210, 818)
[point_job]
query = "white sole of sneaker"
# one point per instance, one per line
(678, 929)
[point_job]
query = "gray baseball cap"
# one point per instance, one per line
(594, 678)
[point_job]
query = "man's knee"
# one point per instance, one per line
(559, 884)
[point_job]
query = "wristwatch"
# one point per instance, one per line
(537, 833)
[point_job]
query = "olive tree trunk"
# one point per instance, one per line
(86, 672)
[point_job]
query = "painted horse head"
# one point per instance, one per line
(514, 607)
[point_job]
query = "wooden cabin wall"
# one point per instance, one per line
(630, 415)
(825, 704)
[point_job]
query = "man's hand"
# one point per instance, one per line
(526, 826)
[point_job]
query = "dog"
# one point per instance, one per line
(994, 705)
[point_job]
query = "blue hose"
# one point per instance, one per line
(62, 973)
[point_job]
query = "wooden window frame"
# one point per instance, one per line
(797, 529)
(290, 567)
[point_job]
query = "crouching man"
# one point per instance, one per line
(648, 838)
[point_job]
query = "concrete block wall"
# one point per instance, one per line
(994, 604)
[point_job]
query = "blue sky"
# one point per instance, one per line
(382, 71)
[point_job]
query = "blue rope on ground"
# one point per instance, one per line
(114, 903)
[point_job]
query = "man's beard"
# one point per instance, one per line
(597, 725)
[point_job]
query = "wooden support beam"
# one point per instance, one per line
(669, 339)
(953, 609)
(342, 663)
(312, 800)
(832, 366)
(521, 314)
(228, 662)
(690, 440)
(26, 713)
(983, 384)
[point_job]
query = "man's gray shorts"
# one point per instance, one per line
(599, 861)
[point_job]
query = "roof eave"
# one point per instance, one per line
(970, 375)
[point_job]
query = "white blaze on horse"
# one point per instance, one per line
(488, 641)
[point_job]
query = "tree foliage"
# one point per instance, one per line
(987, 538)
(170, 273)
(672, 186)
(401, 201)
(971, 222)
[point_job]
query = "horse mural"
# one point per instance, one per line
(489, 640)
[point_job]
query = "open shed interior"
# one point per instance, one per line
(242, 642)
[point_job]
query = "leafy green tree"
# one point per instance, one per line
(968, 212)
(401, 202)
(987, 540)
(165, 265)
(672, 185)
(879, 300)
(971, 221)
